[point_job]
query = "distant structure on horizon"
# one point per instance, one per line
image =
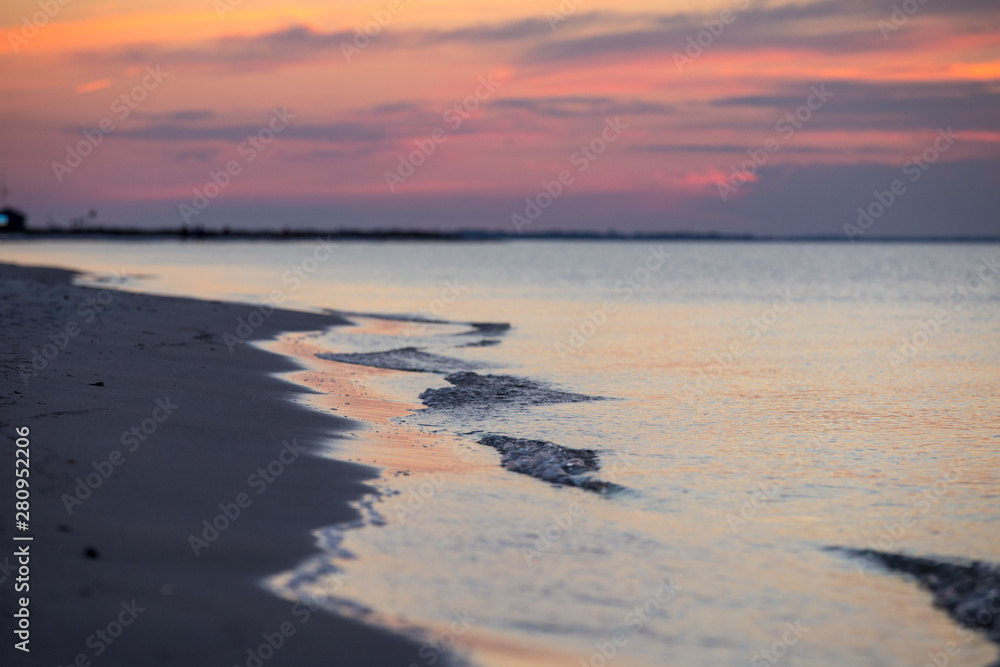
(12, 220)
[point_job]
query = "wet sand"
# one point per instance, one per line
(406, 456)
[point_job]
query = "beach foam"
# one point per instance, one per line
(403, 359)
(474, 390)
(549, 462)
(487, 329)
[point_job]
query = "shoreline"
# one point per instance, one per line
(461, 235)
(409, 459)
(144, 400)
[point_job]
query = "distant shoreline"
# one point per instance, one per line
(129, 233)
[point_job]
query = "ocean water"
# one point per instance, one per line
(749, 405)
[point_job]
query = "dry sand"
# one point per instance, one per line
(129, 540)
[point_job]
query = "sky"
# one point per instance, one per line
(854, 118)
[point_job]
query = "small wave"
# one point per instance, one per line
(967, 590)
(474, 390)
(404, 359)
(549, 462)
(389, 317)
(491, 329)
(486, 342)
(487, 329)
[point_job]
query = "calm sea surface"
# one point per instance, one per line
(762, 401)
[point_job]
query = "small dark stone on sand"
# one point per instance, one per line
(91, 553)
(96, 384)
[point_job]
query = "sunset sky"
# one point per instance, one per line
(669, 97)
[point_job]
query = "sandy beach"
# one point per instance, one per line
(524, 334)
(168, 475)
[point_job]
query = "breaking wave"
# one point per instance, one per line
(549, 462)
(404, 359)
(480, 391)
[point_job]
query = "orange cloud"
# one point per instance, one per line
(92, 86)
